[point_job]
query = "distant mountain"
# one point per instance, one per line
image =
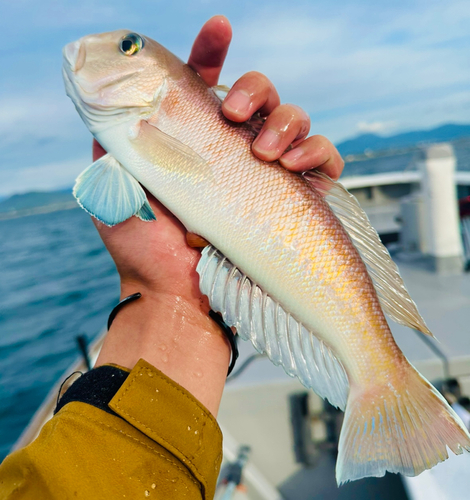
(372, 142)
(19, 205)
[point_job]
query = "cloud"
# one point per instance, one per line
(361, 62)
(43, 177)
(39, 114)
(414, 115)
(64, 14)
(375, 127)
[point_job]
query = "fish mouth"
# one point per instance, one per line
(75, 55)
(70, 83)
(71, 55)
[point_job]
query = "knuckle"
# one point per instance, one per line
(260, 89)
(254, 78)
(320, 139)
(256, 75)
(300, 112)
(292, 113)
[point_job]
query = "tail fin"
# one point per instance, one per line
(403, 429)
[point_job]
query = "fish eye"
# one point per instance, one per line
(131, 44)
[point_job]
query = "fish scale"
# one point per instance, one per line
(293, 262)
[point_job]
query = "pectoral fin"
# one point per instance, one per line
(146, 213)
(108, 192)
(170, 154)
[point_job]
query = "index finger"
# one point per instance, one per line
(210, 49)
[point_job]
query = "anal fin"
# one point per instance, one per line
(260, 319)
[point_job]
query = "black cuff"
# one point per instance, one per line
(229, 335)
(96, 387)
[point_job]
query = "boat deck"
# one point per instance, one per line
(255, 409)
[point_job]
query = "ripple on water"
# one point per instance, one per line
(56, 281)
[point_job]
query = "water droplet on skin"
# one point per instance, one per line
(156, 390)
(154, 486)
(150, 374)
(195, 432)
(162, 347)
(164, 358)
(198, 374)
(189, 427)
(147, 493)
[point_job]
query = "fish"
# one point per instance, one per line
(292, 261)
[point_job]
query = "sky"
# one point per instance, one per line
(356, 66)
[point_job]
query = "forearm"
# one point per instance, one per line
(174, 334)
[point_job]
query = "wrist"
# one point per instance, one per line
(176, 335)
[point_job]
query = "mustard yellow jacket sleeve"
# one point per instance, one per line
(164, 444)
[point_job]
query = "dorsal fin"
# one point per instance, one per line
(221, 91)
(393, 295)
(257, 317)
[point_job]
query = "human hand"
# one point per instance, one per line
(286, 126)
(169, 326)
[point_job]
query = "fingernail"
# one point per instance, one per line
(238, 102)
(292, 156)
(267, 141)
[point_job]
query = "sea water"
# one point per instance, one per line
(57, 281)
(404, 161)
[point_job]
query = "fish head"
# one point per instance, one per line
(116, 76)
